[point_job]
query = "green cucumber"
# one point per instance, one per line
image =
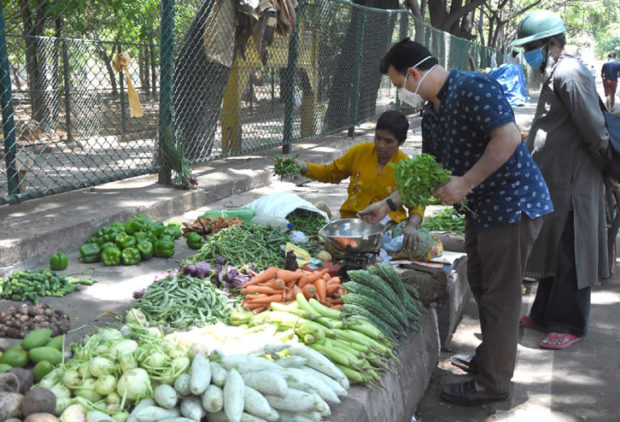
(56, 342)
(50, 354)
(41, 369)
(15, 357)
(36, 338)
(4, 367)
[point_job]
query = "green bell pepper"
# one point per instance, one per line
(166, 237)
(119, 226)
(107, 233)
(90, 252)
(135, 226)
(173, 230)
(194, 240)
(107, 245)
(164, 248)
(143, 218)
(58, 261)
(140, 236)
(111, 256)
(131, 256)
(123, 240)
(92, 240)
(157, 228)
(146, 249)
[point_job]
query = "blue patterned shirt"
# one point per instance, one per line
(472, 106)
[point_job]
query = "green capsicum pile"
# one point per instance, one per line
(129, 243)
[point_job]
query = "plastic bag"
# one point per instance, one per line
(281, 204)
(427, 248)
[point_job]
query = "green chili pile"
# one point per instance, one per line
(181, 301)
(446, 220)
(417, 178)
(242, 245)
(306, 221)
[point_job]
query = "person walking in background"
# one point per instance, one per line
(609, 74)
(469, 127)
(568, 141)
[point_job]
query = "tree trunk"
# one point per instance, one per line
(35, 62)
(154, 65)
(103, 54)
(198, 89)
(58, 23)
(378, 31)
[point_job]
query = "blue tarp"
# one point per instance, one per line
(512, 79)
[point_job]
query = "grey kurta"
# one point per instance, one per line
(568, 141)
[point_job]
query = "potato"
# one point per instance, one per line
(38, 400)
(25, 377)
(41, 417)
(9, 383)
(10, 405)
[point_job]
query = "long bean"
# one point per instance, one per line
(181, 301)
(242, 245)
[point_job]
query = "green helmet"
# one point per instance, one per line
(538, 25)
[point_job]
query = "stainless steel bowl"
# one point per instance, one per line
(352, 234)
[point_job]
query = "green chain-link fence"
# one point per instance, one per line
(66, 116)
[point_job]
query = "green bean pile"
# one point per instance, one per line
(181, 302)
(306, 221)
(242, 245)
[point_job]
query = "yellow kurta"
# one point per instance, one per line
(367, 185)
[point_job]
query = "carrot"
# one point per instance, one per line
(303, 280)
(338, 301)
(259, 289)
(259, 308)
(316, 275)
(309, 291)
(336, 307)
(333, 280)
(326, 276)
(266, 275)
(332, 289)
(288, 275)
(265, 300)
(274, 284)
(296, 290)
(321, 289)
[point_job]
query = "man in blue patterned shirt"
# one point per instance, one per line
(469, 127)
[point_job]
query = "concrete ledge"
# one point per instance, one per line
(451, 311)
(404, 386)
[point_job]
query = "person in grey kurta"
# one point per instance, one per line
(568, 141)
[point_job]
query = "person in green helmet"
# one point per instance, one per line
(568, 141)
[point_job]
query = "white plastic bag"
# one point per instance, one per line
(281, 204)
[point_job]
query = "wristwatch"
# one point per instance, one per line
(391, 204)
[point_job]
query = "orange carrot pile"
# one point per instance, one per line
(277, 285)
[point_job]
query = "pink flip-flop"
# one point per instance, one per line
(527, 322)
(570, 339)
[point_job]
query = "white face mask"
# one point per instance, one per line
(414, 99)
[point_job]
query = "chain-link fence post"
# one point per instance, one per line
(166, 63)
(66, 74)
(289, 81)
(357, 67)
(8, 124)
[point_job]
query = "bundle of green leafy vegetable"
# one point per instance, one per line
(448, 220)
(285, 167)
(417, 178)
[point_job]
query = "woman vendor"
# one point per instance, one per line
(367, 164)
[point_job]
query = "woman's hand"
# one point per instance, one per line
(302, 165)
(374, 213)
(410, 231)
